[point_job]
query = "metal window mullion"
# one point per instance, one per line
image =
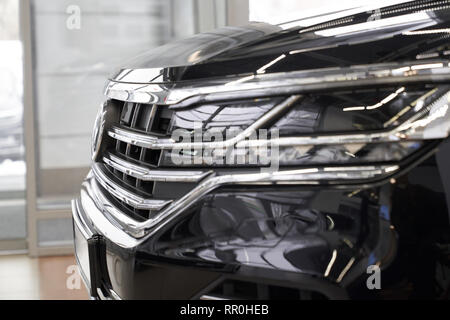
(25, 13)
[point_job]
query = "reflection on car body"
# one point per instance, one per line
(357, 109)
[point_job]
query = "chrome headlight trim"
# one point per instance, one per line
(430, 122)
(278, 83)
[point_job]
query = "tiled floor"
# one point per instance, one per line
(46, 278)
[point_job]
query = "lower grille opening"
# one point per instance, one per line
(246, 290)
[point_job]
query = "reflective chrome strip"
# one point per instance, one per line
(126, 196)
(138, 139)
(212, 297)
(79, 222)
(146, 174)
(111, 212)
(309, 176)
(151, 142)
(279, 83)
(94, 214)
(114, 295)
(134, 138)
(430, 122)
(111, 295)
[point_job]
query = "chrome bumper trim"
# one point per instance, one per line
(79, 221)
(79, 217)
(111, 295)
(86, 232)
(97, 214)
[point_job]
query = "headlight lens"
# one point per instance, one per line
(347, 127)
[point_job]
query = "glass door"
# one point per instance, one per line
(12, 161)
(70, 49)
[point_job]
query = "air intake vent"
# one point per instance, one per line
(237, 289)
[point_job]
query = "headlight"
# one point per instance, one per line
(376, 125)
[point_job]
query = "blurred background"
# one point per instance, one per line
(55, 56)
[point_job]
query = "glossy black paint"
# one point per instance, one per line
(317, 238)
(277, 236)
(244, 50)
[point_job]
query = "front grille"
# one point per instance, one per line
(144, 118)
(159, 121)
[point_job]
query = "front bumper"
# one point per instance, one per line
(108, 262)
(201, 250)
(90, 255)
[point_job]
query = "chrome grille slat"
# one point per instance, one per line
(137, 139)
(124, 195)
(146, 174)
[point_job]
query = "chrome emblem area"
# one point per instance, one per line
(97, 134)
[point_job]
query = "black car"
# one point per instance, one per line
(265, 162)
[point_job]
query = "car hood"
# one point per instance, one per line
(402, 33)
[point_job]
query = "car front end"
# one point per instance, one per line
(259, 162)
